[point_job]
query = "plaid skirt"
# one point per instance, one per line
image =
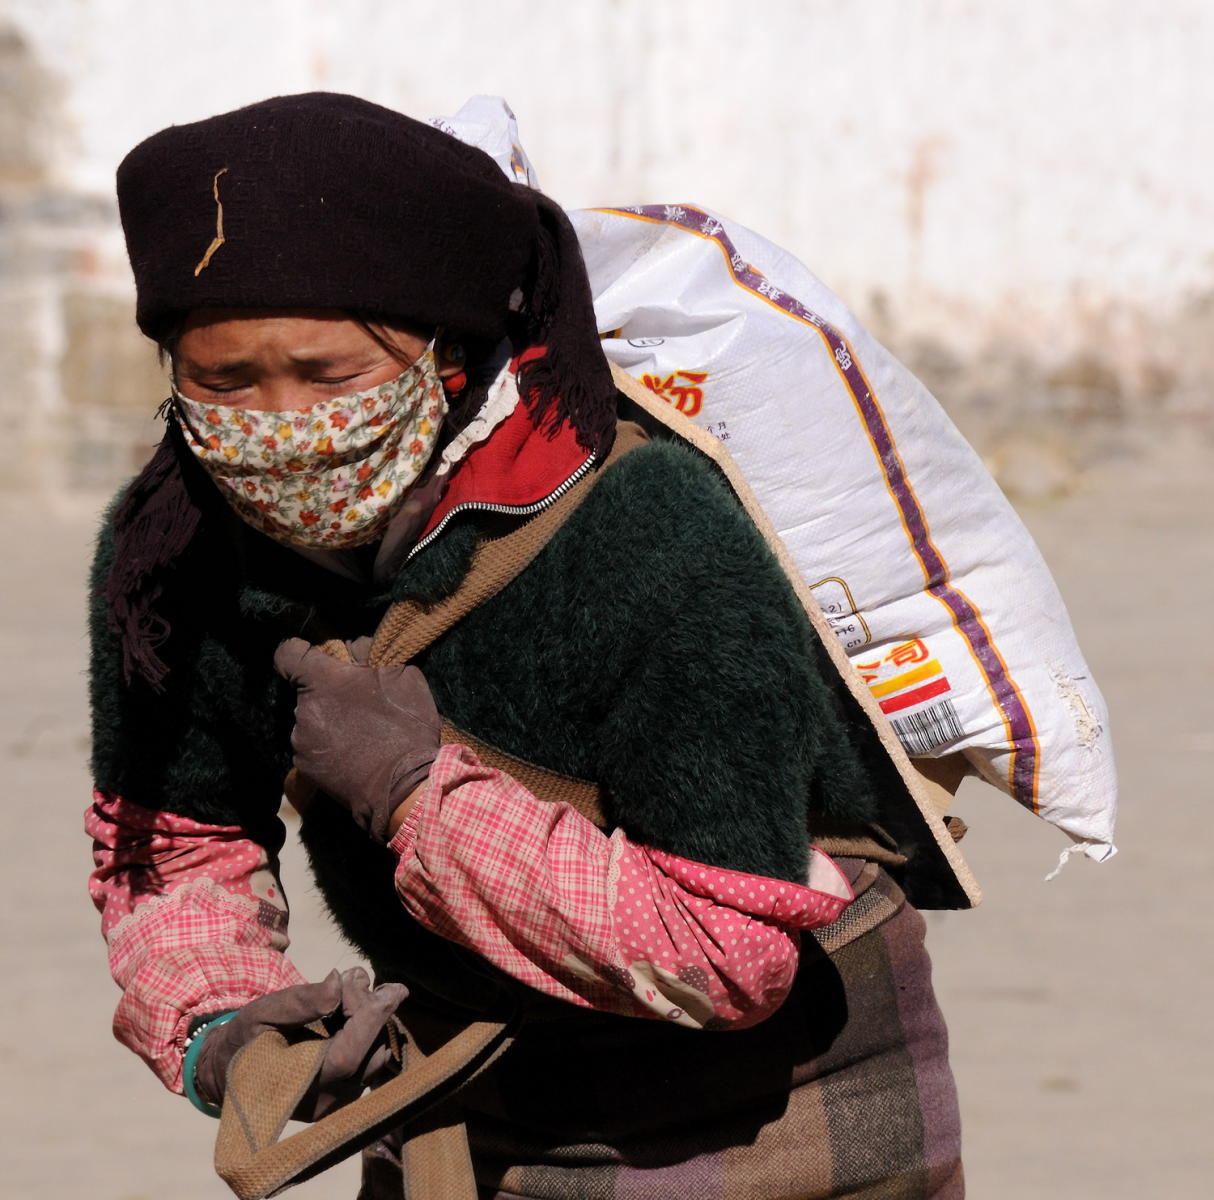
(845, 1091)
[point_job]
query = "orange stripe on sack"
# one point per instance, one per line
(898, 682)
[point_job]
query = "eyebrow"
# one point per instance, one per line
(236, 366)
(227, 368)
(317, 360)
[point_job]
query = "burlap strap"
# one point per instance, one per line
(436, 1161)
(269, 1076)
(409, 627)
(543, 784)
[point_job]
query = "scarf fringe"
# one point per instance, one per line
(154, 522)
(572, 380)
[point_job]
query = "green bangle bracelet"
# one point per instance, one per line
(192, 1050)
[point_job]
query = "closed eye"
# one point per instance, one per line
(217, 390)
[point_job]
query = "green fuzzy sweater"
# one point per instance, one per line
(654, 646)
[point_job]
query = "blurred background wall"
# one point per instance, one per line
(1016, 195)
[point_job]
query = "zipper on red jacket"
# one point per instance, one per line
(517, 510)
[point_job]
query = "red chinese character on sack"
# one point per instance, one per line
(869, 671)
(909, 652)
(687, 397)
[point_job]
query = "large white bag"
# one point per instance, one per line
(928, 577)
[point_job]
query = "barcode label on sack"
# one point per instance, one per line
(922, 732)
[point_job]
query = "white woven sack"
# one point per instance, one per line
(928, 577)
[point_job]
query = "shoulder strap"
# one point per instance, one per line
(409, 627)
(543, 784)
(267, 1078)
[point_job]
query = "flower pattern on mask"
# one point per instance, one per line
(326, 477)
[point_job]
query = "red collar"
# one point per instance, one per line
(515, 468)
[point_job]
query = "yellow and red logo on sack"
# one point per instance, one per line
(680, 388)
(906, 676)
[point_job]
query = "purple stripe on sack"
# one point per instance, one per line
(1016, 717)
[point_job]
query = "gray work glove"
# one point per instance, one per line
(367, 736)
(356, 1054)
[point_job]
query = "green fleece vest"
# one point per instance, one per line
(654, 646)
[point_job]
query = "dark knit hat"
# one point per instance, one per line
(324, 201)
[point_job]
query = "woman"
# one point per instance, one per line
(385, 365)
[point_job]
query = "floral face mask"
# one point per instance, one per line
(326, 477)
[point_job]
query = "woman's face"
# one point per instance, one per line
(285, 361)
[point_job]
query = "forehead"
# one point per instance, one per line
(243, 332)
(217, 336)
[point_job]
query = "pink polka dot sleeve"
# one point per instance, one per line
(195, 922)
(594, 919)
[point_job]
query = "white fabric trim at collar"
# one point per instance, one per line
(500, 401)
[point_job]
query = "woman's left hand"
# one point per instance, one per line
(356, 1054)
(366, 736)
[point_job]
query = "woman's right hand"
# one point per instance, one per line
(356, 1054)
(366, 736)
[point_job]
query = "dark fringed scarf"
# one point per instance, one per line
(571, 381)
(154, 522)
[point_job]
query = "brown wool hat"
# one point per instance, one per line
(324, 201)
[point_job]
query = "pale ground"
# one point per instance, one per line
(1078, 1008)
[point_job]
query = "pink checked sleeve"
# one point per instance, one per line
(596, 920)
(195, 921)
